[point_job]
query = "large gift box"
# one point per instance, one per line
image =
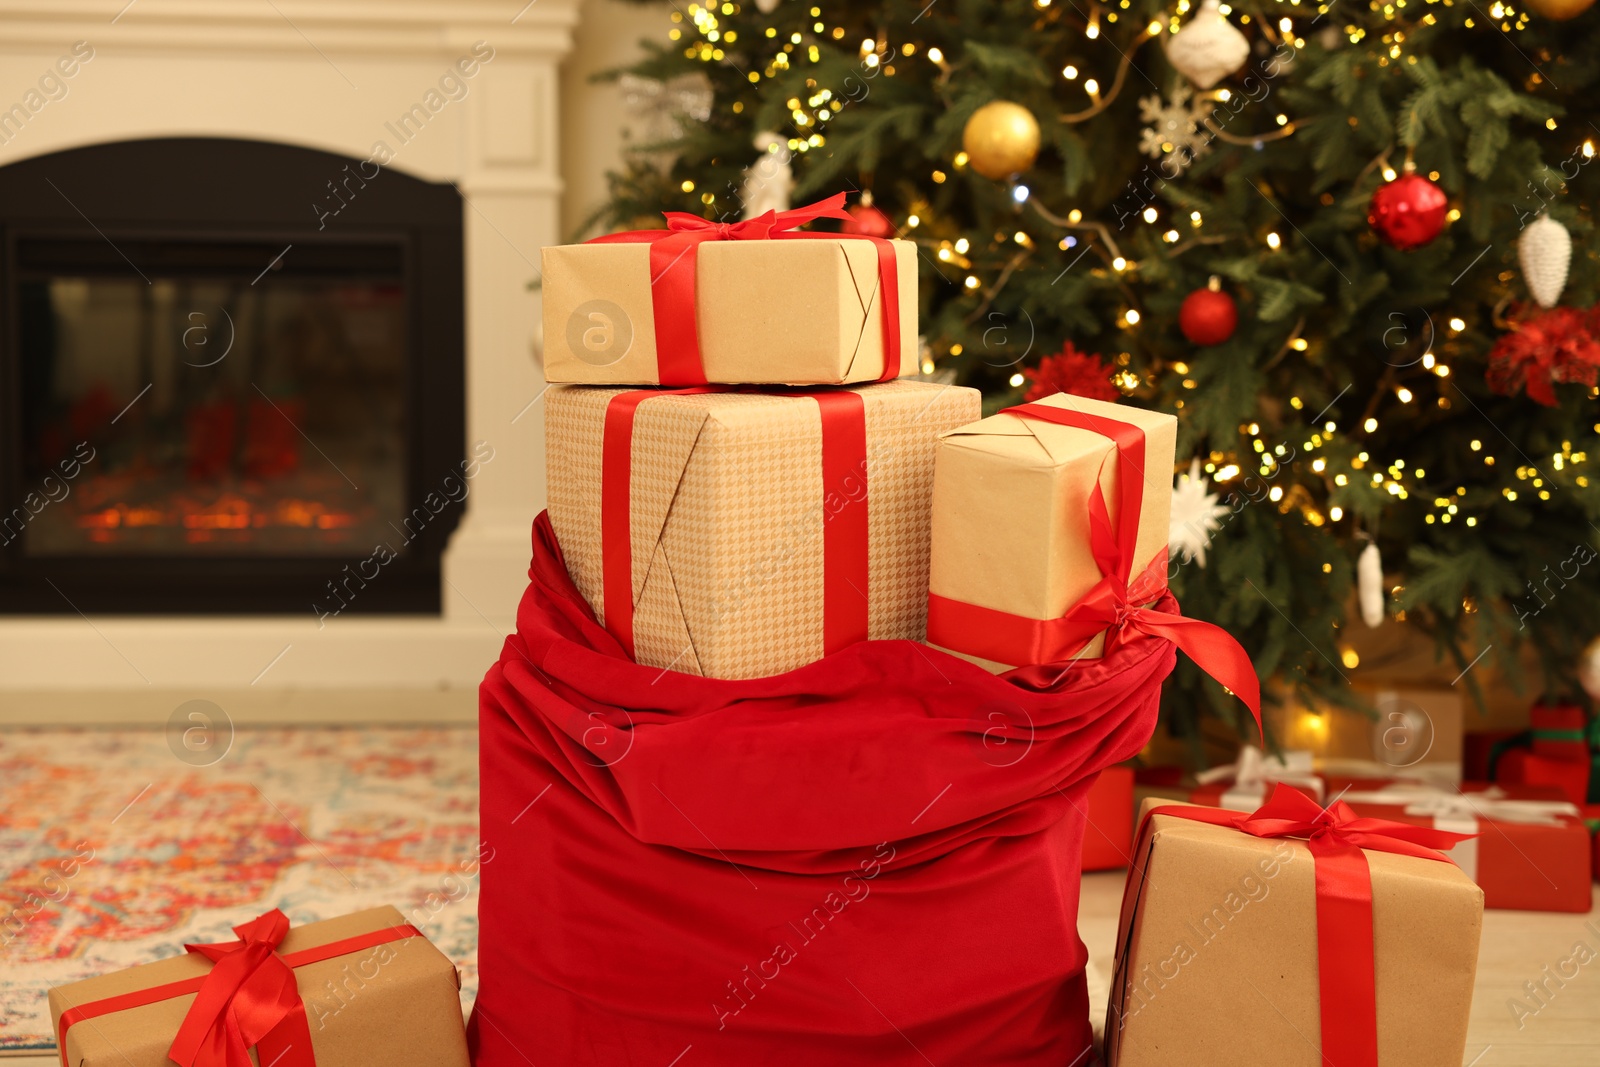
(1531, 851)
(1340, 940)
(1014, 534)
(749, 302)
(361, 989)
(739, 535)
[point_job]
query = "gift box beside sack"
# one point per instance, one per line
(1333, 939)
(739, 535)
(361, 989)
(1531, 849)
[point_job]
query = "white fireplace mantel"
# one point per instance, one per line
(329, 74)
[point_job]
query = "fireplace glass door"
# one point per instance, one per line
(228, 398)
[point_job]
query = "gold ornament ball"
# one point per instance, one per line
(1560, 10)
(1589, 668)
(1001, 139)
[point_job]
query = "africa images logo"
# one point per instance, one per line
(599, 332)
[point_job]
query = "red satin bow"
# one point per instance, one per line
(1336, 836)
(672, 279)
(1114, 605)
(248, 999)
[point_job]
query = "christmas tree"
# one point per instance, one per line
(1332, 238)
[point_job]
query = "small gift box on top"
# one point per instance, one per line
(1335, 939)
(361, 989)
(754, 302)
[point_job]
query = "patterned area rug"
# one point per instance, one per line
(114, 851)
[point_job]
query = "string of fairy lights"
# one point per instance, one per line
(1336, 455)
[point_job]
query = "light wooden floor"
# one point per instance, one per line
(1516, 947)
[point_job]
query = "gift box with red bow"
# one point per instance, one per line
(758, 302)
(361, 989)
(1560, 749)
(1273, 911)
(734, 534)
(1050, 542)
(1531, 851)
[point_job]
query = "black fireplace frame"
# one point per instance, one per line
(227, 190)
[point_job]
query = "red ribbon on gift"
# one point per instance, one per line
(673, 270)
(844, 529)
(1115, 605)
(248, 998)
(1336, 836)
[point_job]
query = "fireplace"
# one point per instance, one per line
(231, 381)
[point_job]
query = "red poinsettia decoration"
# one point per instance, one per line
(1551, 347)
(1071, 371)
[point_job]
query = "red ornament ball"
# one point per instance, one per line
(868, 221)
(1208, 316)
(1408, 212)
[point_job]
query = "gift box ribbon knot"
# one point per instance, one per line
(673, 267)
(1336, 836)
(248, 998)
(1116, 603)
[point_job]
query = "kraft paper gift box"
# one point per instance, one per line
(388, 996)
(1532, 849)
(741, 535)
(1216, 922)
(1011, 521)
(797, 312)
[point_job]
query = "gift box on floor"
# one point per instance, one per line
(1481, 750)
(739, 535)
(1409, 730)
(1531, 852)
(749, 302)
(1225, 911)
(1109, 806)
(1246, 784)
(1591, 819)
(360, 989)
(1526, 767)
(1013, 528)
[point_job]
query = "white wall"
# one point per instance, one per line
(593, 116)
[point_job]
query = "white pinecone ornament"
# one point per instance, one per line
(1546, 252)
(1208, 48)
(1369, 585)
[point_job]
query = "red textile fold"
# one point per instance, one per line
(868, 860)
(673, 271)
(1336, 835)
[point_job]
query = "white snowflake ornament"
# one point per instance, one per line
(1196, 515)
(1175, 127)
(1209, 47)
